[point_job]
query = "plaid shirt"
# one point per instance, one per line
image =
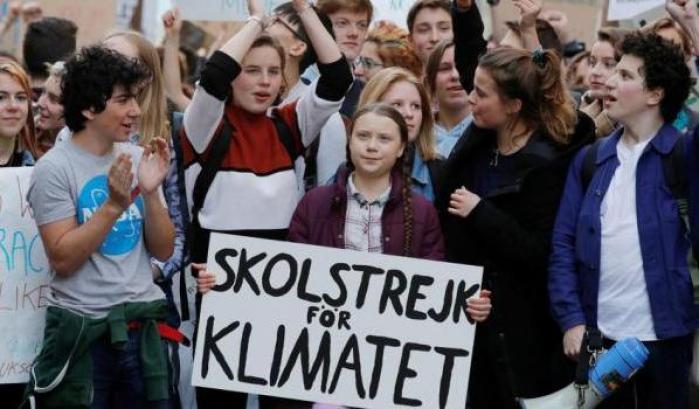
(363, 220)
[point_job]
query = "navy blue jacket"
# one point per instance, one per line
(574, 269)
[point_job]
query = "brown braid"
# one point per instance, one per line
(407, 202)
(405, 163)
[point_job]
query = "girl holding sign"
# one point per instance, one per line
(371, 206)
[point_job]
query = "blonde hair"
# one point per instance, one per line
(378, 86)
(151, 100)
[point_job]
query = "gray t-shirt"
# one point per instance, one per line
(69, 182)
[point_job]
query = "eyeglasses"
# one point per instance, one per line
(368, 63)
(277, 18)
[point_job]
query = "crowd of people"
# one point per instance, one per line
(569, 174)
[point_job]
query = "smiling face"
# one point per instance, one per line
(628, 97)
(259, 82)
(120, 116)
(405, 97)
(14, 106)
(375, 145)
(448, 90)
(50, 108)
(350, 31)
(432, 25)
(602, 63)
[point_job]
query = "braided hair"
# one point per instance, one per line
(404, 163)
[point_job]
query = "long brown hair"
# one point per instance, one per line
(402, 163)
(151, 100)
(536, 79)
(432, 66)
(26, 139)
(377, 87)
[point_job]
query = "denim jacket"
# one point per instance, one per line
(574, 269)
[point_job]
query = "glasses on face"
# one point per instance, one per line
(367, 63)
(277, 18)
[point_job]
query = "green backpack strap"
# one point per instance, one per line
(675, 171)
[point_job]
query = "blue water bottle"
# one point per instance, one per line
(617, 365)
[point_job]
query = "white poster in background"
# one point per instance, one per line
(335, 326)
(24, 279)
(628, 9)
(236, 10)
(219, 10)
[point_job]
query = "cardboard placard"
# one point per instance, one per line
(335, 326)
(24, 279)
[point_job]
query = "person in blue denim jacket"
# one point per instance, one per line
(619, 260)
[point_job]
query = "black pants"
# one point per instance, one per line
(663, 383)
(11, 394)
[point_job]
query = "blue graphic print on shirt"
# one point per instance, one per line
(127, 230)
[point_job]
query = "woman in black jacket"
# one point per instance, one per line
(501, 190)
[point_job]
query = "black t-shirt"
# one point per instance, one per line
(491, 170)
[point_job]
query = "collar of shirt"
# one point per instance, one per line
(359, 198)
(421, 173)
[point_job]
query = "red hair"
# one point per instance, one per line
(27, 140)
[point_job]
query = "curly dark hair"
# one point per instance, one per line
(90, 78)
(663, 68)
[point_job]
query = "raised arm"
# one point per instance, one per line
(469, 43)
(204, 112)
(528, 13)
(684, 12)
(171, 61)
(319, 103)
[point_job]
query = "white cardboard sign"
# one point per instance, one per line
(24, 279)
(627, 9)
(335, 326)
(218, 10)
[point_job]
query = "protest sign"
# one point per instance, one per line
(219, 10)
(24, 278)
(336, 326)
(627, 9)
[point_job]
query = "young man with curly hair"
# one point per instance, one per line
(620, 250)
(95, 200)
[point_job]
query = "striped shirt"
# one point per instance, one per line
(363, 220)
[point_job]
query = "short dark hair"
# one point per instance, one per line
(90, 78)
(663, 68)
(425, 4)
(48, 40)
(309, 57)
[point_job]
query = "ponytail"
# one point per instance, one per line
(536, 79)
(556, 110)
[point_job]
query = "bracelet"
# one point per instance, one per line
(258, 20)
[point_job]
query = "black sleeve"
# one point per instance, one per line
(335, 79)
(218, 73)
(469, 44)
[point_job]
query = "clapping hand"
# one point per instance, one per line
(154, 166)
